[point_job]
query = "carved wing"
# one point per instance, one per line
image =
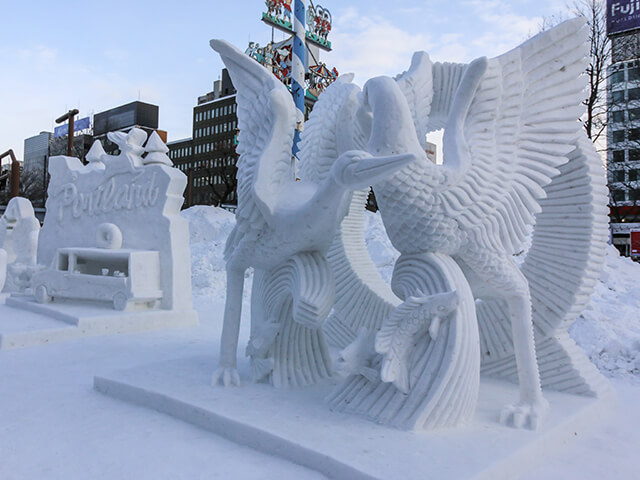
(334, 127)
(512, 124)
(446, 78)
(429, 89)
(417, 86)
(266, 119)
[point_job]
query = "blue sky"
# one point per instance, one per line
(97, 55)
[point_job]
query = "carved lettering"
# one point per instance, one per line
(108, 197)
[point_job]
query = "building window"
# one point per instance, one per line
(633, 175)
(634, 94)
(633, 74)
(634, 134)
(618, 136)
(617, 175)
(634, 195)
(617, 77)
(618, 195)
(618, 96)
(617, 116)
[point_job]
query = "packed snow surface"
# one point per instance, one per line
(53, 425)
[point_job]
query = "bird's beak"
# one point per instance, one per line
(374, 169)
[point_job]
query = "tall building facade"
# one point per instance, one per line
(623, 123)
(36, 151)
(209, 157)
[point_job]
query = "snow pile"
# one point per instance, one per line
(608, 330)
(209, 228)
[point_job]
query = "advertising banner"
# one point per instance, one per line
(622, 16)
(81, 124)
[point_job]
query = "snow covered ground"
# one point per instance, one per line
(53, 425)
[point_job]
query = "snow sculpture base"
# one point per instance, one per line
(62, 320)
(297, 425)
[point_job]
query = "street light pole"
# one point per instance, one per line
(69, 116)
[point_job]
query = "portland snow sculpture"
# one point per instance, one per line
(284, 228)
(19, 230)
(113, 250)
(514, 156)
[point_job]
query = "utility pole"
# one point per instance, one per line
(69, 116)
(14, 180)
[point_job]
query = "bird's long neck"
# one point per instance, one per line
(331, 197)
(393, 131)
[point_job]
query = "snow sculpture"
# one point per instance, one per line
(514, 156)
(19, 230)
(283, 230)
(113, 228)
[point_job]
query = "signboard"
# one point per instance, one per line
(622, 16)
(635, 243)
(622, 228)
(81, 124)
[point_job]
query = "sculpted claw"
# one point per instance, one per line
(227, 376)
(524, 415)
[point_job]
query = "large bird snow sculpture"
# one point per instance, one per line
(283, 229)
(514, 153)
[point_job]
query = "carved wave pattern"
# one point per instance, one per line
(299, 294)
(444, 374)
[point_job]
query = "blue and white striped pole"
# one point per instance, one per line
(298, 68)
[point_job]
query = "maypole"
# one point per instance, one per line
(289, 60)
(299, 67)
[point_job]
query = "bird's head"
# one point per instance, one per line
(377, 91)
(356, 169)
(393, 130)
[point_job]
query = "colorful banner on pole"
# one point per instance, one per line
(622, 16)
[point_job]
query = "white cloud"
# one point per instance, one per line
(371, 46)
(503, 29)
